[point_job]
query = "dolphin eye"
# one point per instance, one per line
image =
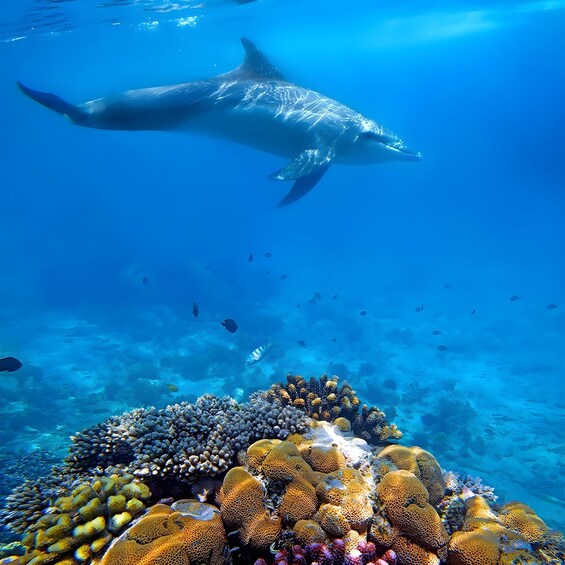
(369, 135)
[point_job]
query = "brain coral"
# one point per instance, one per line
(193, 535)
(416, 533)
(422, 464)
(242, 506)
(521, 518)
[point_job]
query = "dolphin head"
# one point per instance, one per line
(379, 144)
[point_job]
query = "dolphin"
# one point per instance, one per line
(253, 105)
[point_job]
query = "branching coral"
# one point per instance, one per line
(325, 399)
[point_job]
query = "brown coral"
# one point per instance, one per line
(405, 502)
(325, 458)
(194, 537)
(476, 547)
(521, 518)
(299, 502)
(243, 507)
(421, 463)
(333, 521)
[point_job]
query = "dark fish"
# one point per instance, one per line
(335, 296)
(10, 364)
(301, 342)
(513, 298)
(473, 312)
(334, 339)
(298, 306)
(419, 308)
(363, 313)
(446, 285)
(551, 306)
(230, 325)
(315, 298)
(172, 388)
(145, 280)
(267, 272)
(195, 310)
(283, 277)
(268, 255)
(436, 332)
(250, 258)
(441, 347)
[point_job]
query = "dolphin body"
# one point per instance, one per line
(252, 105)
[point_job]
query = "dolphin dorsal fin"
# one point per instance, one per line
(255, 66)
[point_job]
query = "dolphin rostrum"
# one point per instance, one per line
(253, 105)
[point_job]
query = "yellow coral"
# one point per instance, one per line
(165, 536)
(299, 502)
(521, 518)
(332, 520)
(422, 464)
(325, 458)
(405, 501)
(477, 547)
(309, 531)
(284, 463)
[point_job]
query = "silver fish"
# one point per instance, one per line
(258, 354)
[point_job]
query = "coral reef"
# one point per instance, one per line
(81, 523)
(304, 492)
(419, 462)
(325, 399)
(188, 533)
(514, 534)
(182, 441)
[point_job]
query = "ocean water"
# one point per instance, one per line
(107, 237)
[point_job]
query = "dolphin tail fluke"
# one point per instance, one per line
(53, 102)
(306, 169)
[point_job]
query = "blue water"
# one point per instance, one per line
(87, 214)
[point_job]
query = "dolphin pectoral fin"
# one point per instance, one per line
(306, 169)
(53, 102)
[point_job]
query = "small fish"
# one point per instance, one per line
(436, 332)
(419, 308)
(447, 286)
(268, 255)
(334, 339)
(283, 277)
(473, 312)
(145, 281)
(441, 347)
(172, 388)
(551, 306)
(301, 342)
(363, 313)
(10, 364)
(335, 296)
(250, 258)
(258, 354)
(298, 305)
(230, 325)
(513, 298)
(195, 310)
